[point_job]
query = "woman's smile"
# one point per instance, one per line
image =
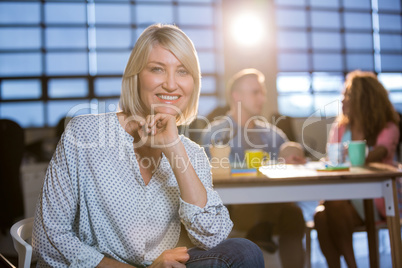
(168, 98)
(165, 85)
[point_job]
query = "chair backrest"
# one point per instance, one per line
(11, 153)
(20, 232)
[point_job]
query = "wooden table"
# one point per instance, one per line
(292, 183)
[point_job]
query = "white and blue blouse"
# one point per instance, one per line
(94, 202)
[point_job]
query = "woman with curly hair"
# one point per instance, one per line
(367, 114)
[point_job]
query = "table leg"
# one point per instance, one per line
(371, 233)
(393, 222)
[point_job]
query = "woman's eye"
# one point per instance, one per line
(182, 71)
(156, 69)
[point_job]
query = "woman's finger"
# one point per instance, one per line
(181, 249)
(159, 121)
(147, 126)
(151, 120)
(133, 122)
(181, 254)
(183, 257)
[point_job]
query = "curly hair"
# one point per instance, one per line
(369, 104)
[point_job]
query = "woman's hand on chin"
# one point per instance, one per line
(159, 131)
(131, 124)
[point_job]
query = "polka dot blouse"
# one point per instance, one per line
(94, 202)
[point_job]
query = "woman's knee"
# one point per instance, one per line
(233, 252)
(244, 252)
(241, 244)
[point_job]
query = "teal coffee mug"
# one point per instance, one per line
(357, 153)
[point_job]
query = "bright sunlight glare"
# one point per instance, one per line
(247, 29)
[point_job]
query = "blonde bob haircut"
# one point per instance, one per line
(236, 78)
(176, 41)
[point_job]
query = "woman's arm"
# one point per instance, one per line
(201, 210)
(377, 154)
(191, 189)
(161, 132)
(385, 147)
(211, 224)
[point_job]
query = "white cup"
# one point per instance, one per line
(336, 153)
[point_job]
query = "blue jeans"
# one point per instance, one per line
(233, 253)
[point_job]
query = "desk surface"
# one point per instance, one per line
(289, 183)
(286, 174)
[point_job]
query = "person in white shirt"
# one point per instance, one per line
(120, 184)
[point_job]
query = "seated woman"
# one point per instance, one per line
(367, 114)
(119, 184)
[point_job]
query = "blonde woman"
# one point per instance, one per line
(367, 114)
(119, 184)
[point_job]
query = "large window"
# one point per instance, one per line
(319, 42)
(61, 58)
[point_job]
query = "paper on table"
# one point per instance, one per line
(284, 171)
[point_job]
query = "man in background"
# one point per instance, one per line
(243, 128)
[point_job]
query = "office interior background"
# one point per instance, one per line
(61, 58)
(66, 58)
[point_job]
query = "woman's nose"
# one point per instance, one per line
(170, 82)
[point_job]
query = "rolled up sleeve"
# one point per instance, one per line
(210, 225)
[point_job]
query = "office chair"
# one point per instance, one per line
(21, 231)
(11, 154)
